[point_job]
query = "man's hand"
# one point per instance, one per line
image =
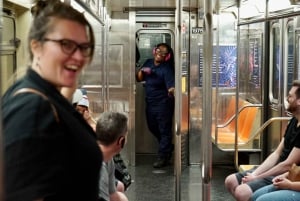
(282, 183)
(248, 177)
(171, 92)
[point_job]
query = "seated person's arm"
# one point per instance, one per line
(271, 160)
(295, 186)
(139, 75)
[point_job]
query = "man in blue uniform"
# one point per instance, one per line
(158, 74)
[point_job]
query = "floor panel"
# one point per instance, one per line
(159, 184)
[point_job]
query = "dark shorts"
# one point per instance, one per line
(255, 184)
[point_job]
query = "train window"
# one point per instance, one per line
(289, 59)
(147, 42)
(275, 63)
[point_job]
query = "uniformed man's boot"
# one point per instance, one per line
(161, 162)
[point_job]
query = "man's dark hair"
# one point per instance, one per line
(110, 126)
(296, 83)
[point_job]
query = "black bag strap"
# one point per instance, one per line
(31, 90)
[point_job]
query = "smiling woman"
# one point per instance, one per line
(59, 41)
(41, 128)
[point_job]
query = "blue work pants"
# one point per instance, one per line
(159, 120)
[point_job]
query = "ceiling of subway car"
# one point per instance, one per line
(121, 5)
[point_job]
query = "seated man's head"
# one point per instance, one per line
(77, 96)
(111, 130)
(83, 107)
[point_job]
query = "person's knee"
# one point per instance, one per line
(227, 181)
(230, 182)
(243, 192)
(120, 187)
(118, 196)
(122, 196)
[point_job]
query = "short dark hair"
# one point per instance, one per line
(110, 126)
(296, 83)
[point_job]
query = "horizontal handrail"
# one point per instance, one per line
(234, 116)
(266, 124)
(216, 134)
(257, 132)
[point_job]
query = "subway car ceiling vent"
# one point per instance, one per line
(155, 16)
(150, 9)
(154, 25)
(156, 13)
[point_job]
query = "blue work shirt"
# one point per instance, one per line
(158, 82)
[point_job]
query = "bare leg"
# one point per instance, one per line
(231, 183)
(120, 187)
(243, 192)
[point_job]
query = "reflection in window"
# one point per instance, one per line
(275, 61)
(290, 57)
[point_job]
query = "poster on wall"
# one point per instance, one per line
(254, 61)
(226, 69)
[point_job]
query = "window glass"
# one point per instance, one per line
(275, 62)
(147, 41)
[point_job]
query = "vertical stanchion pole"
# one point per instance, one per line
(1, 129)
(207, 99)
(178, 95)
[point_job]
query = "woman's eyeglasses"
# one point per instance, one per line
(70, 46)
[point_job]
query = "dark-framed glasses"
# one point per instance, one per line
(70, 46)
(161, 53)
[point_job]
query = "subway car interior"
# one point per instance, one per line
(235, 61)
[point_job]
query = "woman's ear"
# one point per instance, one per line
(35, 46)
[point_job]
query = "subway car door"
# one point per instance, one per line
(148, 35)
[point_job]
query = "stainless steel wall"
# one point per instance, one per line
(120, 77)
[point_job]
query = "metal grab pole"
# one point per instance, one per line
(207, 99)
(178, 95)
(1, 128)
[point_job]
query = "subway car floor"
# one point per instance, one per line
(151, 184)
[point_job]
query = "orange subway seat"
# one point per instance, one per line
(226, 135)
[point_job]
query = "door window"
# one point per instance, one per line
(147, 41)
